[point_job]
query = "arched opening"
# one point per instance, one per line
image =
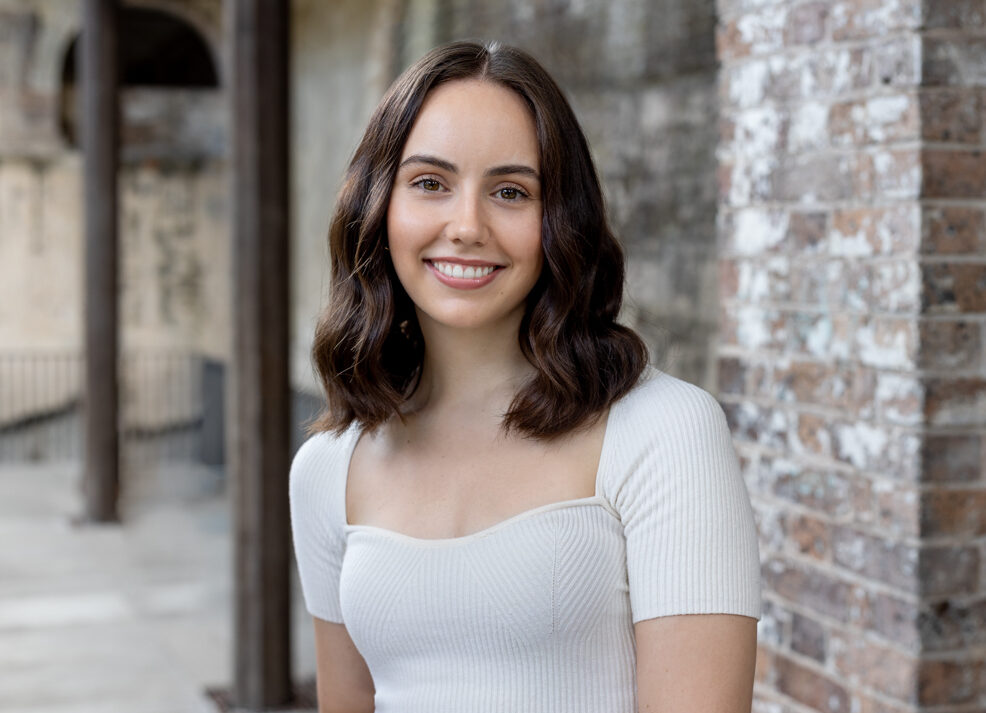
(156, 50)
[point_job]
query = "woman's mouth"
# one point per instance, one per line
(461, 276)
(468, 272)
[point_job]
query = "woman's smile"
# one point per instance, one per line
(463, 275)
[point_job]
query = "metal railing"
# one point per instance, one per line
(161, 416)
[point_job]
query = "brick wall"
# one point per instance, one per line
(852, 271)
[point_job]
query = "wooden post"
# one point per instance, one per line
(99, 120)
(259, 398)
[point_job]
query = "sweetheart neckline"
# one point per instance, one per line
(591, 500)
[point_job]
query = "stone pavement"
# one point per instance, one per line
(131, 618)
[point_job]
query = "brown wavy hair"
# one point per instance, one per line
(368, 348)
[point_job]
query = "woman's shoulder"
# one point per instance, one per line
(662, 402)
(664, 425)
(321, 463)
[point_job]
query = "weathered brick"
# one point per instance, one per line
(858, 19)
(949, 624)
(811, 587)
(811, 179)
(887, 342)
(877, 558)
(803, 382)
(806, 24)
(953, 458)
(812, 435)
(807, 232)
(826, 492)
(810, 281)
(807, 535)
(882, 448)
(759, 131)
(808, 637)
(953, 512)
(893, 285)
(948, 288)
(810, 686)
(731, 375)
(900, 398)
(755, 231)
(774, 627)
(896, 173)
(895, 619)
(948, 569)
(953, 174)
(952, 230)
(770, 529)
(860, 659)
(859, 152)
(897, 61)
(848, 69)
(821, 335)
(863, 703)
(951, 682)
(955, 401)
(954, 14)
(765, 280)
(897, 508)
(953, 115)
(751, 34)
(874, 120)
(954, 60)
(743, 420)
(857, 232)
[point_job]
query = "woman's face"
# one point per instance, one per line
(464, 220)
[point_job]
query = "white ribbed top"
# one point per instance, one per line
(536, 613)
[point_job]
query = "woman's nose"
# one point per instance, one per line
(467, 223)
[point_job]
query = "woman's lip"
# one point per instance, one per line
(462, 283)
(463, 261)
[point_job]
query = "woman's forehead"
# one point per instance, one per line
(474, 119)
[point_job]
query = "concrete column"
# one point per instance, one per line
(259, 417)
(99, 119)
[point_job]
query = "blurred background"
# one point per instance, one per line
(800, 186)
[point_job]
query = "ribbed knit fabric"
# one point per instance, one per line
(536, 613)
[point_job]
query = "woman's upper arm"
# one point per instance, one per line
(701, 663)
(344, 682)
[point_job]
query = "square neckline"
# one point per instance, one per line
(592, 500)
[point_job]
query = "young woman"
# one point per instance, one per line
(504, 508)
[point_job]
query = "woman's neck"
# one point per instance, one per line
(476, 371)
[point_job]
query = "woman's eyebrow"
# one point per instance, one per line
(513, 168)
(431, 161)
(441, 163)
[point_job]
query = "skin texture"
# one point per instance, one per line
(700, 663)
(467, 189)
(344, 683)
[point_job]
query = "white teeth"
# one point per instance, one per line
(470, 272)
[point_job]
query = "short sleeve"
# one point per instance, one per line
(317, 496)
(690, 532)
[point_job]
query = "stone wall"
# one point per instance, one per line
(853, 277)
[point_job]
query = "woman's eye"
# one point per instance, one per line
(430, 184)
(510, 193)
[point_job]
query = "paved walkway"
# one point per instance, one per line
(131, 618)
